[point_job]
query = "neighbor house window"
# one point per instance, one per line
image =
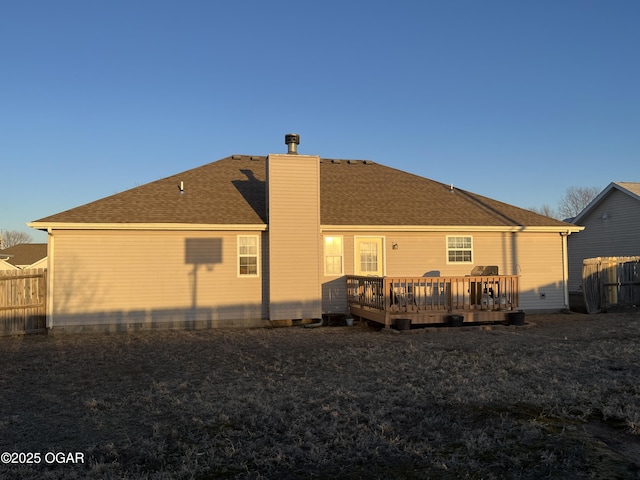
(459, 250)
(333, 258)
(248, 255)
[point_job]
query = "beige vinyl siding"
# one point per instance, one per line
(425, 254)
(132, 277)
(39, 264)
(617, 235)
(536, 257)
(4, 266)
(296, 252)
(539, 264)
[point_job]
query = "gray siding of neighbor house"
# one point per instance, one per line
(612, 229)
(124, 278)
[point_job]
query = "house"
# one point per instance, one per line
(611, 229)
(4, 263)
(247, 240)
(24, 256)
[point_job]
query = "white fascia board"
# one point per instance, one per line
(3, 261)
(147, 226)
(450, 228)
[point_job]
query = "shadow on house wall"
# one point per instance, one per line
(223, 316)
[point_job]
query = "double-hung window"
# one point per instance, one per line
(333, 255)
(459, 249)
(248, 255)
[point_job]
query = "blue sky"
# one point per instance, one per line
(515, 100)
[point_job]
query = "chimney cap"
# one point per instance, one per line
(292, 140)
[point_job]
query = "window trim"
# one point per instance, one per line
(324, 246)
(256, 255)
(448, 250)
(382, 257)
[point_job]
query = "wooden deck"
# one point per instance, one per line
(431, 300)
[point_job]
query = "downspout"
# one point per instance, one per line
(565, 268)
(50, 278)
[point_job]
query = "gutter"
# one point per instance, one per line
(565, 268)
(147, 226)
(451, 228)
(50, 278)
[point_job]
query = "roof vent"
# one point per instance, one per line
(292, 140)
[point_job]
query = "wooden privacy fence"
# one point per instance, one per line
(610, 281)
(23, 301)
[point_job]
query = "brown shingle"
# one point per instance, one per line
(26, 253)
(224, 192)
(233, 191)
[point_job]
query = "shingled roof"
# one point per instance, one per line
(25, 253)
(232, 191)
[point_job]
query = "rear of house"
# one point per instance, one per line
(536, 257)
(249, 240)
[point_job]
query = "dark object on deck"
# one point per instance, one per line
(455, 320)
(516, 318)
(479, 291)
(403, 324)
(481, 271)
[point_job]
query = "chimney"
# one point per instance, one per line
(292, 140)
(293, 234)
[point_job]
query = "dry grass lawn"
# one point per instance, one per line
(558, 400)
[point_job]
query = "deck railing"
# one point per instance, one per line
(415, 294)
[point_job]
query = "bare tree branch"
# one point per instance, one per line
(575, 200)
(9, 238)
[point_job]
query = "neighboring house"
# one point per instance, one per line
(612, 228)
(247, 239)
(24, 256)
(4, 263)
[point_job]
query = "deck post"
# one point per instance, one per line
(387, 298)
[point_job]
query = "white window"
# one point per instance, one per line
(333, 256)
(369, 256)
(248, 255)
(459, 250)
